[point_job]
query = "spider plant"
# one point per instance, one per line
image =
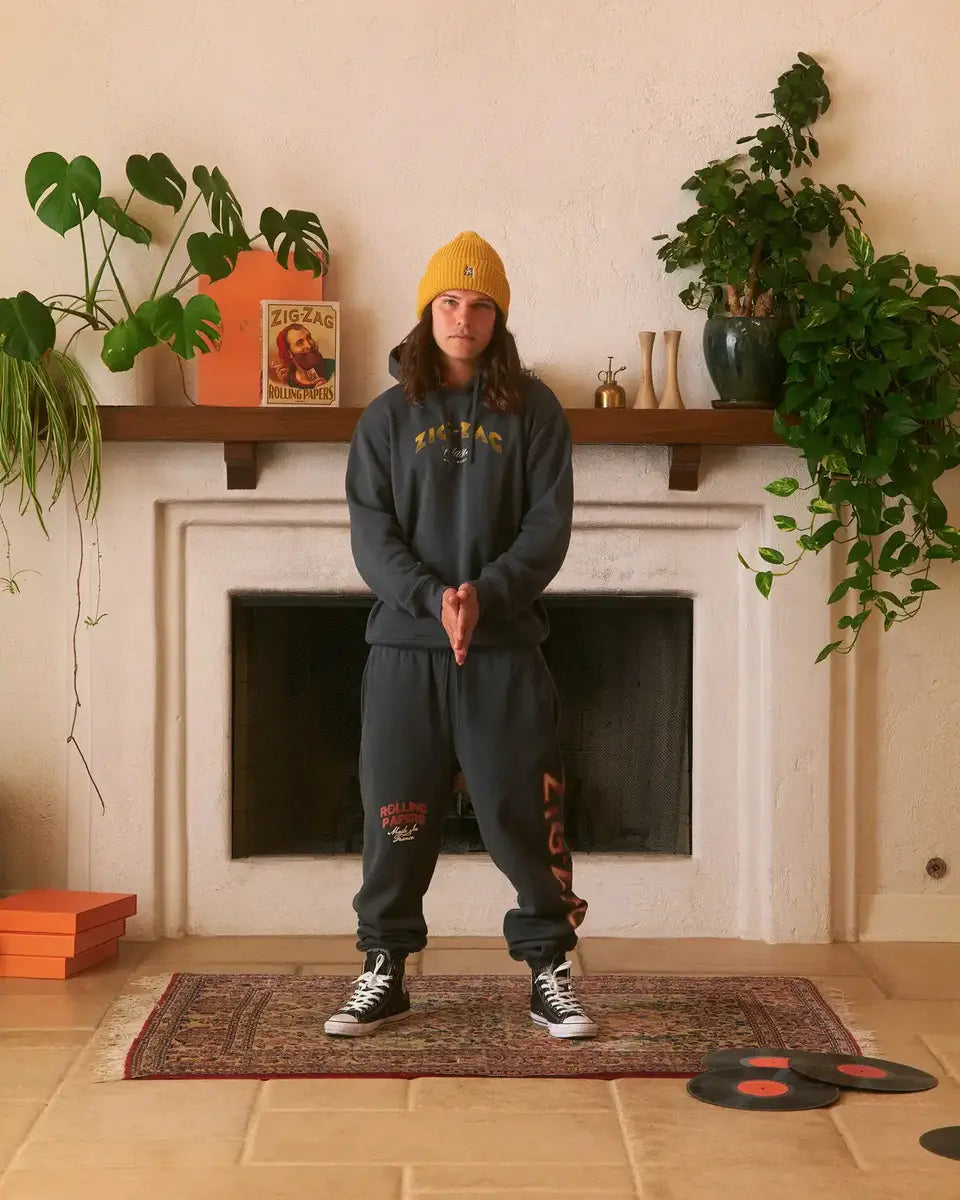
(50, 435)
(48, 419)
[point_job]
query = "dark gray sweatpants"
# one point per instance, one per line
(497, 716)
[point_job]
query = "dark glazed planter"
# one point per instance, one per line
(744, 360)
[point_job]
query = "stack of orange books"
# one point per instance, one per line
(51, 934)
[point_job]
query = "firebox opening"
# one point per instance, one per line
(623, 668)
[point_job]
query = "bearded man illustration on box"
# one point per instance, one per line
(301, 365)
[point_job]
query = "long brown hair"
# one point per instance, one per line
(421, 365)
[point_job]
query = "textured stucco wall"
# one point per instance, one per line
(561, 131)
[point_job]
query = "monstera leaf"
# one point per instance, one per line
(126, 339)
(110, 212)
(222, 204)
(300, 232)
(213, 254)
(187, 328)
(157, 179)
(62, 193)
(27, 327)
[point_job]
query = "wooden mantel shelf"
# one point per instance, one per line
(241, 430)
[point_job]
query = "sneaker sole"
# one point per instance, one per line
(356, 1029)
(565, 1031)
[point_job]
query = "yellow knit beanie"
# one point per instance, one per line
(468, 264)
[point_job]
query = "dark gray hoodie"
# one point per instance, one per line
(453, 492)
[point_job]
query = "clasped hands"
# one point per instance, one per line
(459, 613)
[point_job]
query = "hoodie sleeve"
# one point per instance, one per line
(382, 556)
(519, 576)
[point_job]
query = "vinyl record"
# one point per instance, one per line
(760, 1090)
(945, 1141)
(865, 1074)
(749, 1056)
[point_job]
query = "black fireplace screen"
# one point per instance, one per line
(623, 668)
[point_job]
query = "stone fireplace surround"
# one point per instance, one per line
(155, 686)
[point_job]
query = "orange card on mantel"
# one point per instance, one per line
(50, 910)
(231, 373)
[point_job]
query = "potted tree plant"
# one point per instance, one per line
(750, 239)
(873, 383)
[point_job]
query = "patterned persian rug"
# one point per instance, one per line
(271, 1026)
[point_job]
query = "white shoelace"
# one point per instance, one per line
(369, 990)
(558, 987)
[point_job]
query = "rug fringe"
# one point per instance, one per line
(124, 1019)
(866, 1039)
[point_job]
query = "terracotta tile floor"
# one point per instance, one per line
(63, 1137)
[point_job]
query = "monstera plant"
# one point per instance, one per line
(48, 414)
(68, 195)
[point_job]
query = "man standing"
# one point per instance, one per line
(460, 490)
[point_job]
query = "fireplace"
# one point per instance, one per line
(622, 665)
(158, 709)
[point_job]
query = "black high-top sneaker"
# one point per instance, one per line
(554, 1005)
(379, 996)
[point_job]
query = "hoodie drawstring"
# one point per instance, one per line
(473, 414)
(438, 397)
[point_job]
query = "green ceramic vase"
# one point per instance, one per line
(744, 361)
